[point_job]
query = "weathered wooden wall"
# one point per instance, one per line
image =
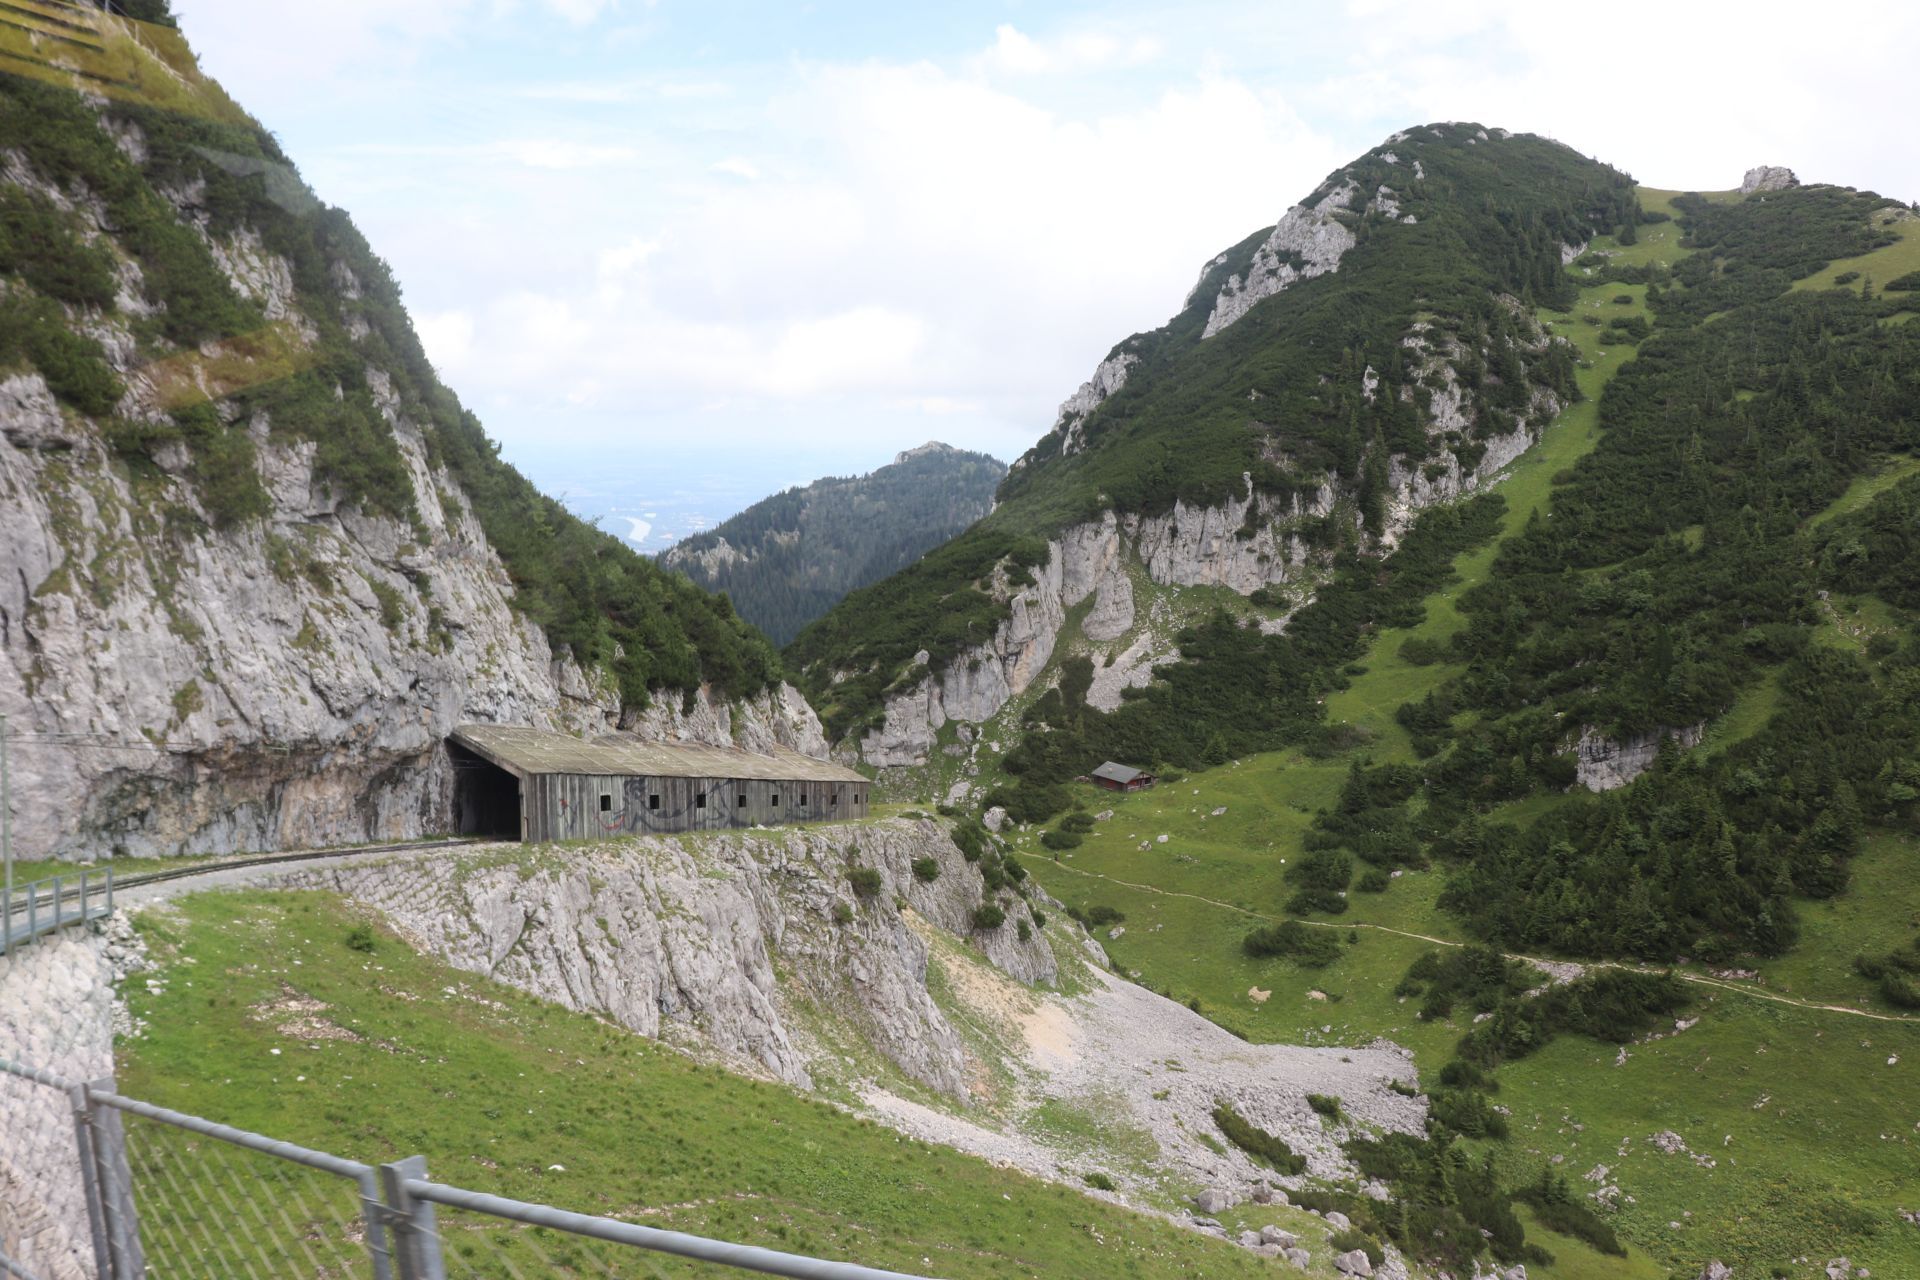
(574, 806)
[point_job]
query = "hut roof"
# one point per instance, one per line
(1118, 772)
(523, 751)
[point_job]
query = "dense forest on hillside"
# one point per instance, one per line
(206, 170)
(789, 558)
(1279, 396)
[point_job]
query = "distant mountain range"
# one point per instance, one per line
(788, 559)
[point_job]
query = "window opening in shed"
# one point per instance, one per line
(743, 799)
(606, 803)
(776, 799)
(834, 799)
(653, 802)
(700, 801)
(803, 799)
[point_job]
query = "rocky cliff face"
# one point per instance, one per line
(1767, 177)
(179, 681)
(1605, 764)
(730, 943)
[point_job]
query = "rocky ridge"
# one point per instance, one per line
(1243, 544)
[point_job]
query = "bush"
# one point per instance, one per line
(1097, 915)
(1903, 284)
(972, 839)
(1078, 823)
(1846, 277)
(1421, 652)
(1306, 946)
(1324, 1104)
(988, 916)
(1265, 1148)
(865, 882)
(1374, 880)
(842, 913)
(1025, 930)
(38, 244)
(360, 938)
(926, 870)
(1098, 1181)
(1060, 840)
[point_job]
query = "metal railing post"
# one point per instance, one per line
(56, 904)
(416, 1232)
(90, 1180)
(116, 1187)
(374, 1215)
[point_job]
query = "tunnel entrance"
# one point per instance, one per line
(486, 798)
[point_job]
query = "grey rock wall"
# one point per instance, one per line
(721, 943)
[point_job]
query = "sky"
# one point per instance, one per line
(678, 256)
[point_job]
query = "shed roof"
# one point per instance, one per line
(524, 751)
(1118, 772)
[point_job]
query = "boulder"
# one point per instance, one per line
(1250, 1240)
(1352, 1263)
(1214, 1200)
(1338, 1220)
(1837, 1268)
(1717, 1270)
(995, 819)
(1768, 177)
(1274, 1235)
(1299, 1258)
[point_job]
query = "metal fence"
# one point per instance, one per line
(42, 906)
(168, 1195)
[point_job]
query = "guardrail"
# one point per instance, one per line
(47, 905)
(161, 1199)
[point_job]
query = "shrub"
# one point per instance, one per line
(1903, 284)
(1039, 918)
(1421, 652)
(842, 913)
(1078, 823)
(972, 839)
(1025, 930)
(1324, 1104)
(988, 916)
(1306, 946)
(1097, 915)
(1266, 1148)
(1060, 840)
(865, 882)
(926, 870)
(1846, 277)
(38, 244)
(1374, 880)
(360, 938)
(1098, 1181)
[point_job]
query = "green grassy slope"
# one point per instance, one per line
(387, 1053)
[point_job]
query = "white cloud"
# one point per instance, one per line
(1014, 52)
(854, 350)
(738, 168)
(447, 337)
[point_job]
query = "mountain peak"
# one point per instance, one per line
(928, 449)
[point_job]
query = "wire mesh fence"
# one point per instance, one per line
(98, 1186)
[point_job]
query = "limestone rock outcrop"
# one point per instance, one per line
(1767, 177)
(1305, 243)
(677, 939)
(175, 683)
(1604, 764)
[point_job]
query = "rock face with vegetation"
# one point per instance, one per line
(259, 559)
(787, 559)
(756, 947)
(1321, 386)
